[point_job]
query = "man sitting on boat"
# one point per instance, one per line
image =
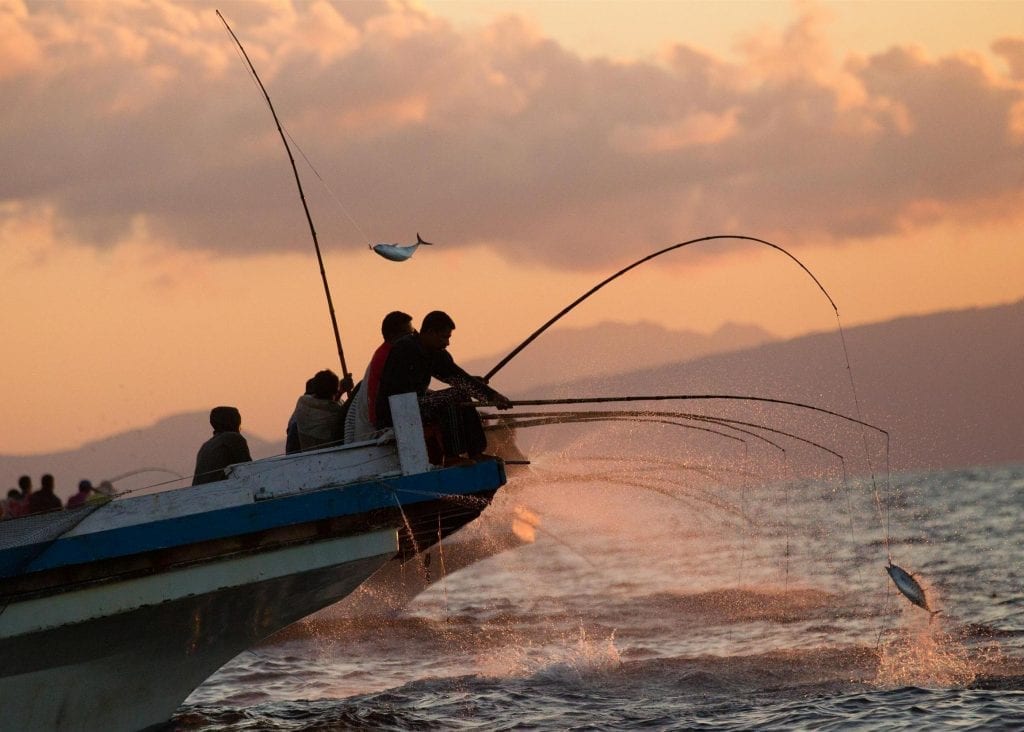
(413, 361)
(319, 417)
(44, 499)
(18, 506)
(80, 498)
(226, 447)
(291, 432)
(361, 420)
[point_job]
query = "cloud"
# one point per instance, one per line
(140, 116)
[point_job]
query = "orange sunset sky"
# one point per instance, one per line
(155, 258)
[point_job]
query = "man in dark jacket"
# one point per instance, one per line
(44, 499)
(411, 364)
(226, 447)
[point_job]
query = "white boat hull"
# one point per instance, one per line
(131, 668)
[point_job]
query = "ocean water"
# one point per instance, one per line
(655, 595)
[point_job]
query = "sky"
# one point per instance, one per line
(155, 258)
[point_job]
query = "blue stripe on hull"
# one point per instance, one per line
(349, 500)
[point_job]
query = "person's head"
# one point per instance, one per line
(14, 493)
(325, 384)
(25, 484)
(309, 386)
(225, 419)
(437, 329)
(84, 486)
(46, 483)
(395, 325)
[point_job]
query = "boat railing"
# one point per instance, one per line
(405, 454)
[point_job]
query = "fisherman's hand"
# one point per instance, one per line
(345, 385)
(501, 401)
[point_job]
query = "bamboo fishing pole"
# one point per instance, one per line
(524, 420)
(346, 376)
(637, 263)
(682, 397)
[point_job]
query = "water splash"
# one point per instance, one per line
(926, 655)
(567, 660)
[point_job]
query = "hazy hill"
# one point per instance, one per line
(948, 387)
(611, 348)
(169, 445)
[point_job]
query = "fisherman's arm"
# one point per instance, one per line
(454, 375)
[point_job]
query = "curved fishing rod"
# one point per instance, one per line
(723, 421)
(683, 397)
(583, 417)
(346, 376)
(515, 351)
(652, 463)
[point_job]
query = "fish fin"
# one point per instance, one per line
(419, 240)
(933, 614)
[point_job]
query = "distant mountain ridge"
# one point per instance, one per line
(948, 386)
(611, 348)
(169, 446)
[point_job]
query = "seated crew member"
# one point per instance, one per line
(19, 506)
(361, 420)
(44, 499)
(80, 498)
(291, 432)
(413, 361)
(226, 447)
(319, 418)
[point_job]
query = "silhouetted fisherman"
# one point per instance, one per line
(44, 499)
(80, 498)
(319, 415)
(18, 505)
(226, 447)
(413, 361)
(291, 432)
(361, 420)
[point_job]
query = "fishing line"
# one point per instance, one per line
(253, 78)
(330, 190)
(867, 454)
(444, 574)
(408, 529)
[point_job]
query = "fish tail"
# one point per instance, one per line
(419, 240)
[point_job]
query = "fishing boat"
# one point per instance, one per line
(509, 523)
(111, 614)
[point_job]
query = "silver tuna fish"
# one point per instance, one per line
(396, 252)
(910, 588)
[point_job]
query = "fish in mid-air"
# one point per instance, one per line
(397, 252)
(910, 588)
